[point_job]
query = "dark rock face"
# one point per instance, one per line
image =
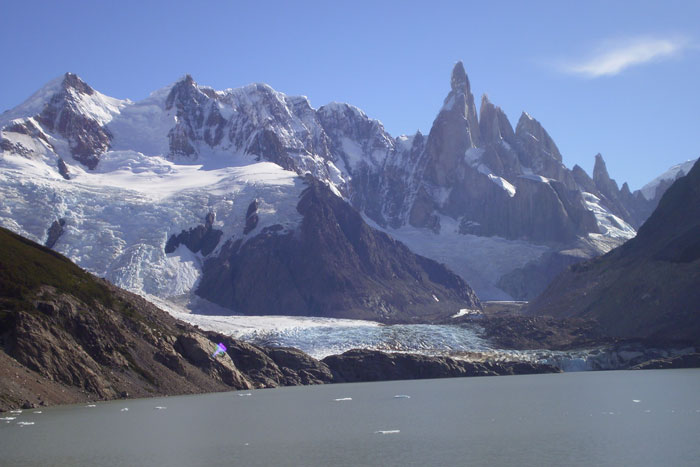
(63, 169)
(54, 232)
(370, 365)
(334, 265)
(251, 217)
(202, 238)
(648, 287)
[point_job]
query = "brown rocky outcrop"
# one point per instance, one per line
(371, 365)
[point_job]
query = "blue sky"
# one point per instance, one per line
(620, 78)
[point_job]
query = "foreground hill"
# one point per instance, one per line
(650, 286)
(67, 336)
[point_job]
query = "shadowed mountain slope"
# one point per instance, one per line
(650, 286)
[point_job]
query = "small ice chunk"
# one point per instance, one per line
(25, 423)
(387, 432)
(7, 418)
(125, 409)
(244, 394)
(343, 399)
(636, 401)
(158, 407)
(436, 299)
(402, 396)
(91, 405)
(37, 411)
(15, 411)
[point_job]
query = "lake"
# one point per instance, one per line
(640, 418)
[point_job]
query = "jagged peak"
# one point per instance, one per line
(185, 80)
(600, 168)
(578, 168)
(625, 190)
(601, 177)
(459, 80)
(526, 117)
(184, 89)
(73, 81)
(342, 107)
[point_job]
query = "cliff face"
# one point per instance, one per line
(650, 286)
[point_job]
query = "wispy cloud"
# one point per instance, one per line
(616, 56)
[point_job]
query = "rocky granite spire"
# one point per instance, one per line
(536, 140)
(539, 153)
(493, 123)
(454, 131)
(461, 89)
(584, 182)
(602, 180)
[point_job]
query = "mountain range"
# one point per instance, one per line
(259, 203)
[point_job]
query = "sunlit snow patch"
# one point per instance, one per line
(465, 312)
(503, 183)
(609, 224)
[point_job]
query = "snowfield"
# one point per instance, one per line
(119, 217)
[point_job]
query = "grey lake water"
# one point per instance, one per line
(620, 418)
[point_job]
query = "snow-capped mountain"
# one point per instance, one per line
(155, 193)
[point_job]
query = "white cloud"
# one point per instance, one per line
(615, 57)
